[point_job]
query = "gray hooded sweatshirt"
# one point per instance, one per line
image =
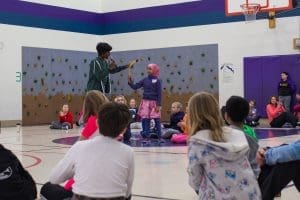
(221, 170)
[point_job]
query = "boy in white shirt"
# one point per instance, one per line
(103, 168)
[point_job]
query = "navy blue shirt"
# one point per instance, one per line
(174, 119)
(151, 86)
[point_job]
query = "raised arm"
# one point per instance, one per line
(135, 86)
(117, 69)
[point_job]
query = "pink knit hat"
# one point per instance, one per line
(155, 69)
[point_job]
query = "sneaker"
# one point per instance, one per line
(161, 141)
(146, 141)
(153, 136)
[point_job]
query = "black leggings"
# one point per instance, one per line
(273, 179)
(284, 117)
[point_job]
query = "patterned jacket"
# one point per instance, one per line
(221, 170)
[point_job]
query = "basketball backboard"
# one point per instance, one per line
(233, 7)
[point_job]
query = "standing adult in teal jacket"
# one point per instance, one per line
(100, 68)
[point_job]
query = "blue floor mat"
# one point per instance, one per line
(135, 141)
(264, 133)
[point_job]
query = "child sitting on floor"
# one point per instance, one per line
(218, 165)
(120, 99)
(253, 116)
(65, 119)
(133, 109)
(237, 109)
(176, 117)
(103, 168)
(184, 125)
(297, 108)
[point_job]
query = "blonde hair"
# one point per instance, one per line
(92, 103)
(122, 97)
(204, 113)
(177, 104)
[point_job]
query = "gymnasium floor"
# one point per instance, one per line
(160, 171)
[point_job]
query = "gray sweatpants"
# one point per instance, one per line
(286, 101)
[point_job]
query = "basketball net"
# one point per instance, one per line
(250, 10)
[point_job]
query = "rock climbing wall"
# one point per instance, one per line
(53, 77)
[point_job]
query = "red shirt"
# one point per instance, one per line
(274, 111)
(90, 127)
(67, 118)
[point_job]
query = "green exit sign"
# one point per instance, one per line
(18, 77)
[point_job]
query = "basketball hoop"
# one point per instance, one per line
(250, 10)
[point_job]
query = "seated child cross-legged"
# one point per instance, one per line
(218, 165)
(65, 119)
(176, 117)
(277, 114)
(101, 167)
(253, 116)
(236, 110)
(181, 138)
(120, 99)
(133, 109)
(91, 105)
(297, 109)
